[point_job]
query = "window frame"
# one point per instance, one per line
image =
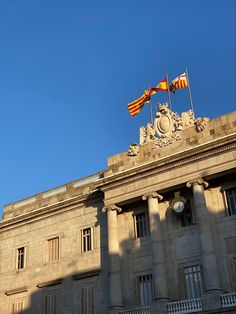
(135, 214)
(138, 283)
(226, 201)
(17, 257)
(17, 302)
(192, 265)
(47, 247)
(82, 237)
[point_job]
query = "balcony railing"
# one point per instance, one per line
(137, 310)
(228, 299)
(185, 306)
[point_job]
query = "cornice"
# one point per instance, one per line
(169, 162)
(47, 211)
(49, 283)
(15, 291)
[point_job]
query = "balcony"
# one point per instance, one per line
(137, 310)
(185, 306)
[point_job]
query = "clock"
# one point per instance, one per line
(178, 204)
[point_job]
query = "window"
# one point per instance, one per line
(193, 282)
(88, 299)
(17, 307)
(53, 249)
(50, 304)
(145, 290)
(87, 239)
(140, 225)
(20, 257)
(186, 215)
(231, 201)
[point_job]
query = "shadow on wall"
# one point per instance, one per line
(89, 288)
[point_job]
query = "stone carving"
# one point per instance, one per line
(167, 126)
(201, 123)
(133, 150)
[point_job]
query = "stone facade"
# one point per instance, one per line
(155, 228)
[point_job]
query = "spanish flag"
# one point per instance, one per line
(160, 86)
(137, 105)
(179, 82)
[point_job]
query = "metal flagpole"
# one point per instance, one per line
(189, 91)
(167, 81)
(150, 105)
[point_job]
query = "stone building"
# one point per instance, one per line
(153, 233)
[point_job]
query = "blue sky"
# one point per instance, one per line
(69, 68)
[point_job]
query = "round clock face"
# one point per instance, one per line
(178, 206)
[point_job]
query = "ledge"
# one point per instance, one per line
(15, 291)
(88, 274)
(50, 283)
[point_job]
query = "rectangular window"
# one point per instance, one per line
(141, 225)
(87, 239)
(231, 201)
(88, 299)
(145, 290)
(20, 258)
(17, 307)
(186, 215)
(50, 304)
(193, 282)
(53, 249)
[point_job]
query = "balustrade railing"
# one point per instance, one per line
(137, 310)
(184, 306)
(228, 299)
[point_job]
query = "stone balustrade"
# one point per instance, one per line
(184, 306)
(228, 299)
(137, 310)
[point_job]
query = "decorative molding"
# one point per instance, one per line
(15, 291)
(152, 195)
(87, 274)
(198, 181)
(50, 283)
(54, 192)
(111, 208)
(25, 202)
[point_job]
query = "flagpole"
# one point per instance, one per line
(150, 105)
(167, 80)
(189, 91)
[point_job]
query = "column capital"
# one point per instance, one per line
(111, 208)
(198, 181)
(152, 195)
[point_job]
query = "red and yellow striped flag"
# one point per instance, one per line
(160, 86)
(179, 82)
(137, 105)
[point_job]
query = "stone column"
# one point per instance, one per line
(114, 259)
(211, 278)
(159, 273)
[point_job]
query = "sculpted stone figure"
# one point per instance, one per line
(166, 128)
(133, 150)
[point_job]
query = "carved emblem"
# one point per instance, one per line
(167, 126)
(133, 150)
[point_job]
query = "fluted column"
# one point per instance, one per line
(211, 278)
(113, 251)
(159, 273)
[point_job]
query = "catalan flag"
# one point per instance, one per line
(160, 86)
(179, 82)
(137, 105)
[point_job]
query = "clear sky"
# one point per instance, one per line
(69, 68)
